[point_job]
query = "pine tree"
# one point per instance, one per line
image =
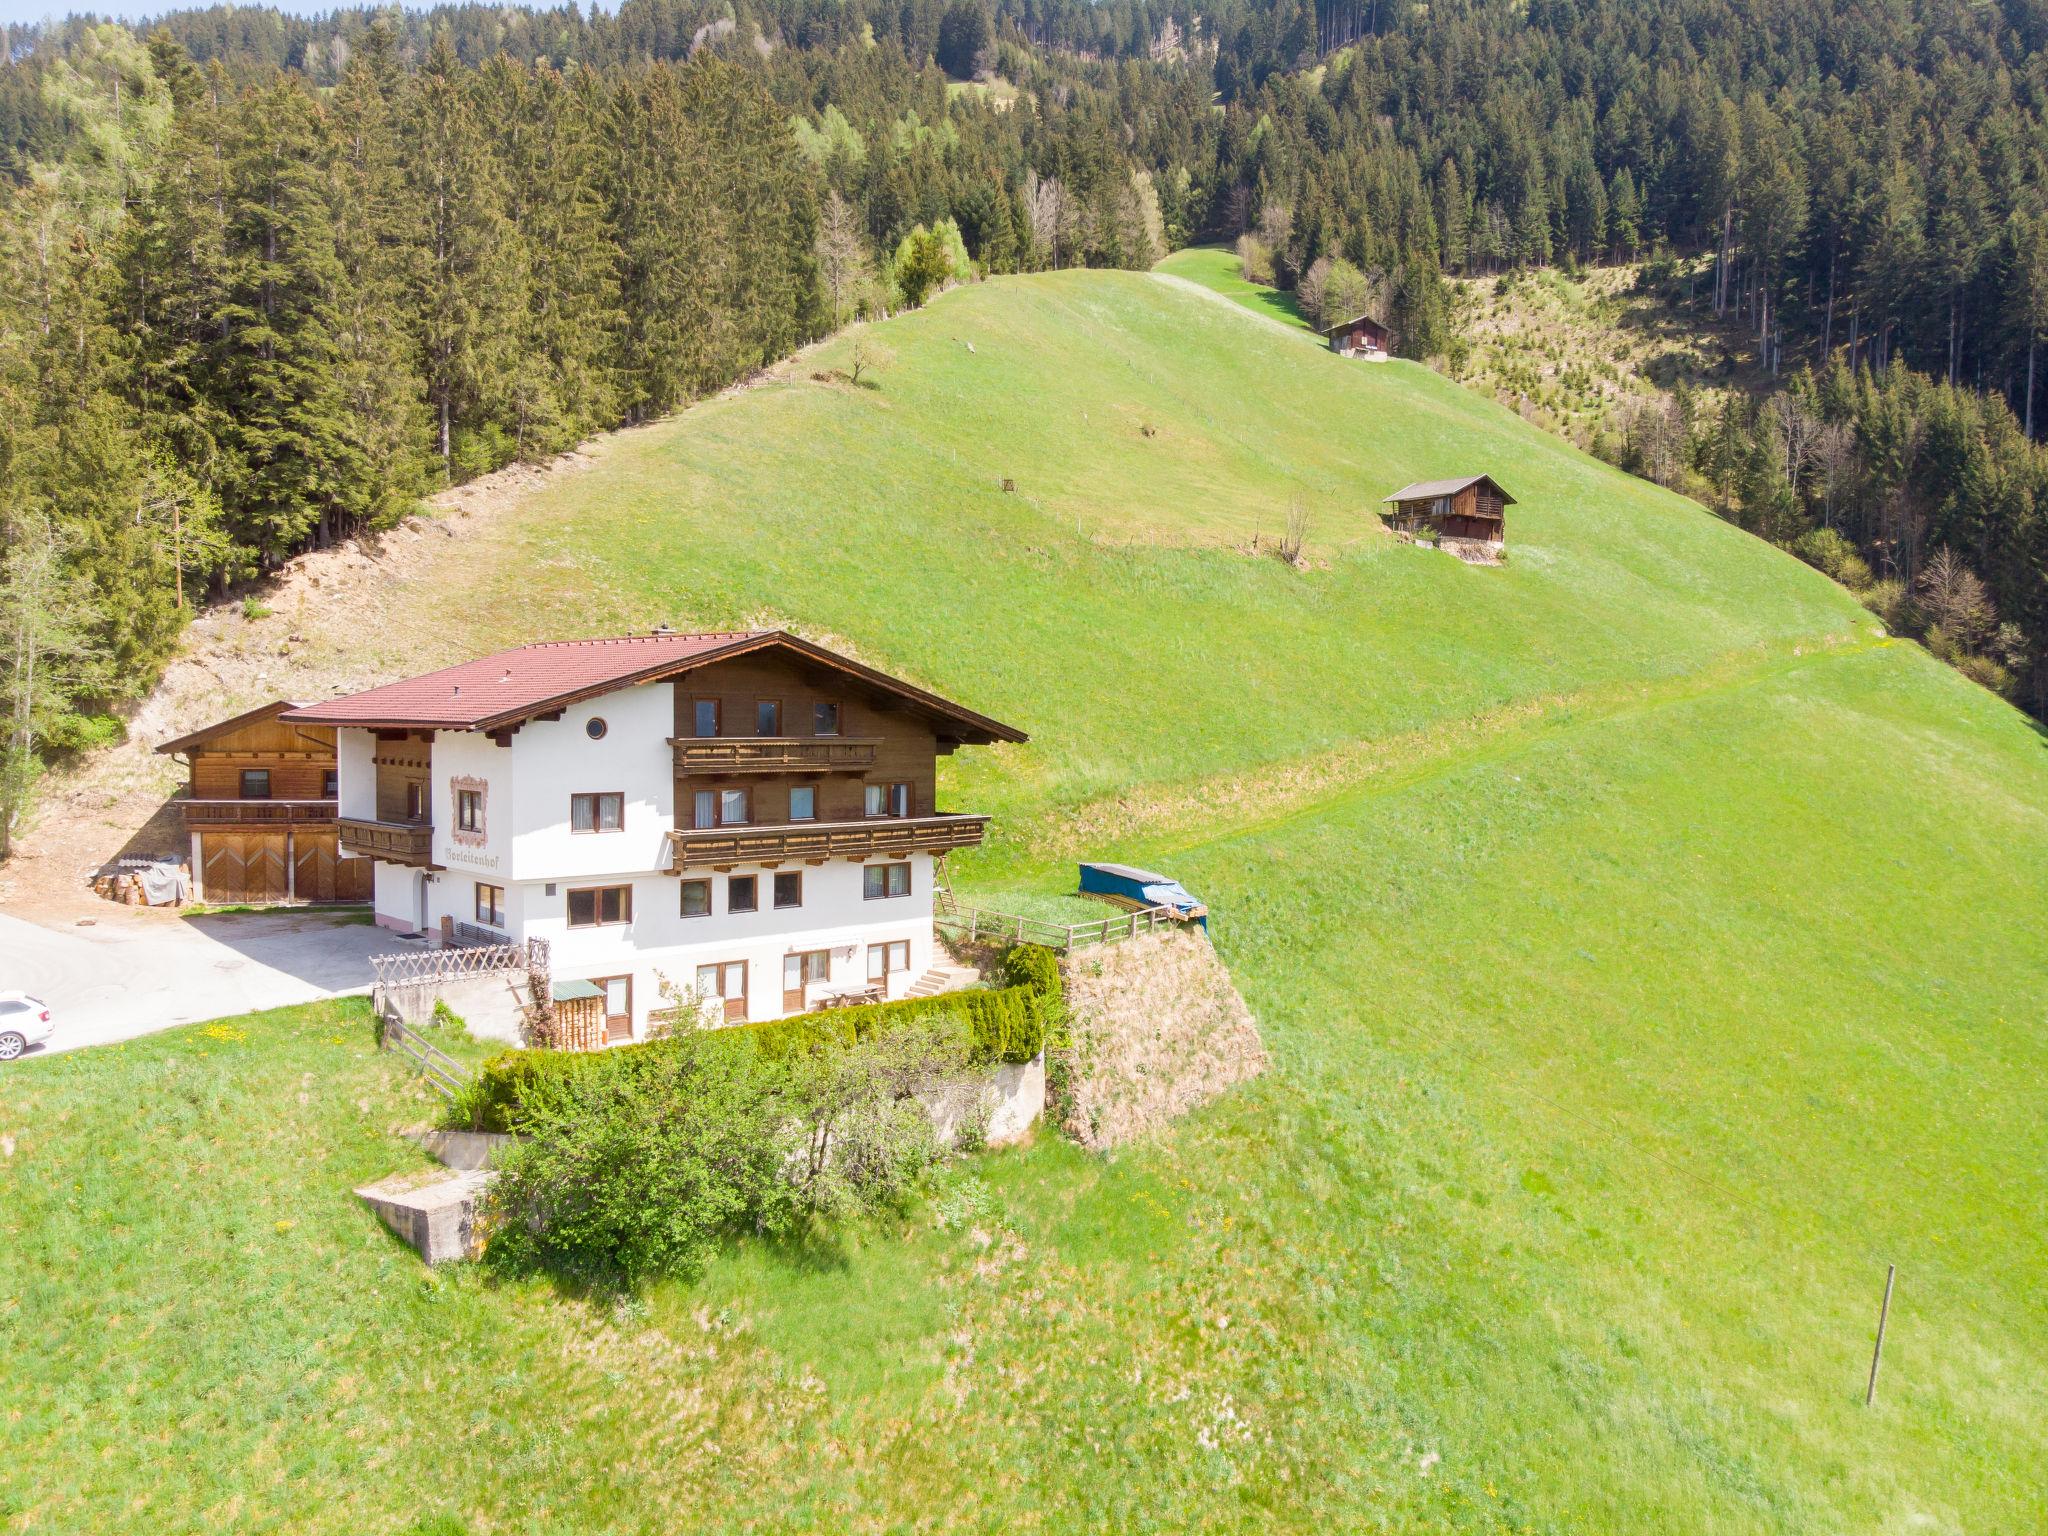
(468, 304)
(377, 258)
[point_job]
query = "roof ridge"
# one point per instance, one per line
(670, 634)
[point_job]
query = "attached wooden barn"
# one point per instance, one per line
(1362, 337)
(1468, 516)
(260, 810)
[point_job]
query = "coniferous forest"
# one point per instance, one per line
(266, 280)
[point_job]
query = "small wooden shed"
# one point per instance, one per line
(1468, 515)
(1362, 337)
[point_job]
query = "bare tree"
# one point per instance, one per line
(1310, 287)
(842, 259)
(1050, 211)
(1955, 599)
(1834, 448)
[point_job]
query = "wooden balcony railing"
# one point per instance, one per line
(694, 848)
(773, 754)
(257, 813)
(396, 842)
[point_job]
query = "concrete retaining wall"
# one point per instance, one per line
(492, 1006)
(1012, 1097)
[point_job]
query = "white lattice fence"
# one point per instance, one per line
(407, 968)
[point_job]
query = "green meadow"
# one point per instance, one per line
(1649, 951)
(1217, 268)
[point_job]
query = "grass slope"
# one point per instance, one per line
(1647, 950)
(1217, 268)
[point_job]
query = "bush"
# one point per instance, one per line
(1255, 260)
(1009, 1023)
(629, 1174)
(636, 1169)
(252, 609)
(1891, 602)
(1826, 550)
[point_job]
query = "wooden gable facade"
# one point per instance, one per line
(1360, 337)
(784, 756)
(259, 807)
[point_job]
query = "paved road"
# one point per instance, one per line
(139, 973)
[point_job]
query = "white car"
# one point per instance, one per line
(24, 1021)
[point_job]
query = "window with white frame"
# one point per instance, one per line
(886, 960)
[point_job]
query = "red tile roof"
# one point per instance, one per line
(507, 687)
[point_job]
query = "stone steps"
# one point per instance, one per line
(944, 978)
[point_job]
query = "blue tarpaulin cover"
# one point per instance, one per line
(1142, 885)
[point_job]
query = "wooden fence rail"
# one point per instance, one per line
(977, 925)
(448, 1076)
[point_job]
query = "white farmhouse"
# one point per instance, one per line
(746, 814)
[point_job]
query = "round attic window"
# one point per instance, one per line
(594, 727)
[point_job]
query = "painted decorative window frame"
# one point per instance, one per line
(456, 833)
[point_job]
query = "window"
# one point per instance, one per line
(888, 799)
(789, 888)
(707, 717)
(726, 982)
(255, 783)
(597, 813)
(800, 971)
(879, 881)
(601, 906)
(768, 717)
(330, 785)
(696, 898)
(719, 808)
(415, 801)
(824, 719)
(803, 803)
(742, 894)
(490, 905)
(469, 810)
(885, 960)
(595, 727)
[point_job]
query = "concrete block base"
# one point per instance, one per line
(435, 1212)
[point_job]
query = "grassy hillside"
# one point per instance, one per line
(1647, 948)
(1217, 268)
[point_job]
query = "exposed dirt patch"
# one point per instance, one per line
(1158, 1028)
(330, 621)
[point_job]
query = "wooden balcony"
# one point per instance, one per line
(694, 848)
(395, 842)
(774, 754)
(257, 813)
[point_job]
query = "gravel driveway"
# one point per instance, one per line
(137, 973)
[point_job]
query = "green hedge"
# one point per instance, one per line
(1009, 1023)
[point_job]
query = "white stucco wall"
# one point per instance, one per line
(661, 942)
(355, 773)
(470, 755)
(393, 898)
(556, 759)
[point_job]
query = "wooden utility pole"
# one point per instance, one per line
(1884, 1313)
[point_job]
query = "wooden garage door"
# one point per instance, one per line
(316, 857)
(352, 878)
(243, 866)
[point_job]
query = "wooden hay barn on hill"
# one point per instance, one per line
(1468, 516)
(1362, 337)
